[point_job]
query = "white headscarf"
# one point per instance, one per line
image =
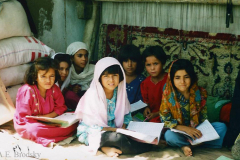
(84, 78)
(92, 107)
(67, 80)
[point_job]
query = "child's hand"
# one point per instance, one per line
(124, 126)
(76, 88)
(152, 115)
(146, 112)
(193, 132)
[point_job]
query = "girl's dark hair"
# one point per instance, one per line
(43, 63)
(131, 52)
(63, 58)
(114, 69)
(183, 64)
(155, 51)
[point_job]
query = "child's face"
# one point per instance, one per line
(110, 81)
(129, 67)
(182, 81)
(63, 70)
(153, 66)
(80, 58)
(45, 80)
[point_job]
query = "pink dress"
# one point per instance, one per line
(30, 102)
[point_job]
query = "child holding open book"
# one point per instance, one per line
(184, 107)
(41, 97)
(104, 108)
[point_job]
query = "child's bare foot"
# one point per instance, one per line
(187, 150)
(111, 152)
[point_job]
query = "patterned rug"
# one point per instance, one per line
(216, 57)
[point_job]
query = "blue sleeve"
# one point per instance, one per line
(127, 118)
(84, 130)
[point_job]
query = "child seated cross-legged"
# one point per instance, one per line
(130, 59)
(104, 108)
(152, 87)
(184, 107)
(41, 97)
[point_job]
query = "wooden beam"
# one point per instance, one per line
(234, 2)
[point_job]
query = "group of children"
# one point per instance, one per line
(101, 99)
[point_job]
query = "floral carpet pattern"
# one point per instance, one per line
(216, 57)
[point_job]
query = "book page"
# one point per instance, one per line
(208, 133)
(66, 119)
(182, 132)
(207, 130)
(143, 137)
(148, 128)
(137, 105)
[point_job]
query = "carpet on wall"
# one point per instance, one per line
(215, 56)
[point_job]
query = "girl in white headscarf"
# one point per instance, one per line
(81, 73)
(103, 109)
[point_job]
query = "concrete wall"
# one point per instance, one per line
(56, 22)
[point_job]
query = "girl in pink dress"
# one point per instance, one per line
(41, 97)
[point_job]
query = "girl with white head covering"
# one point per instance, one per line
(81, 73)
(104, 108)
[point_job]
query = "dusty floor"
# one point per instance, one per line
(14, 148)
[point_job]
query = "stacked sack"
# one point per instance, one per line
(17, 47)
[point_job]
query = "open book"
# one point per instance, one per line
(6, 105)
(146, 132)
(137, 105)
(207, 130)
(65, 120)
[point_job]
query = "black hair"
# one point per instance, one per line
(183, 64)
(43, 63)
(131, 52)
(155, 51)
(63, 58)
(114, 69)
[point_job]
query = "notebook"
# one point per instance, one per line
(146, 132)
(65, 120)
(137, 105)
(207, 130)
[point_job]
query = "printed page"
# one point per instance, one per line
(148, 128)
(66, 119)
(182, 132)
(208, 133)
(207, 130)
(140, 136)
(137, 105)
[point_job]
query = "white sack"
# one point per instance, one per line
(12, 91)
(14, 75)
(20, 50)
(13, 20)
(6, 105)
